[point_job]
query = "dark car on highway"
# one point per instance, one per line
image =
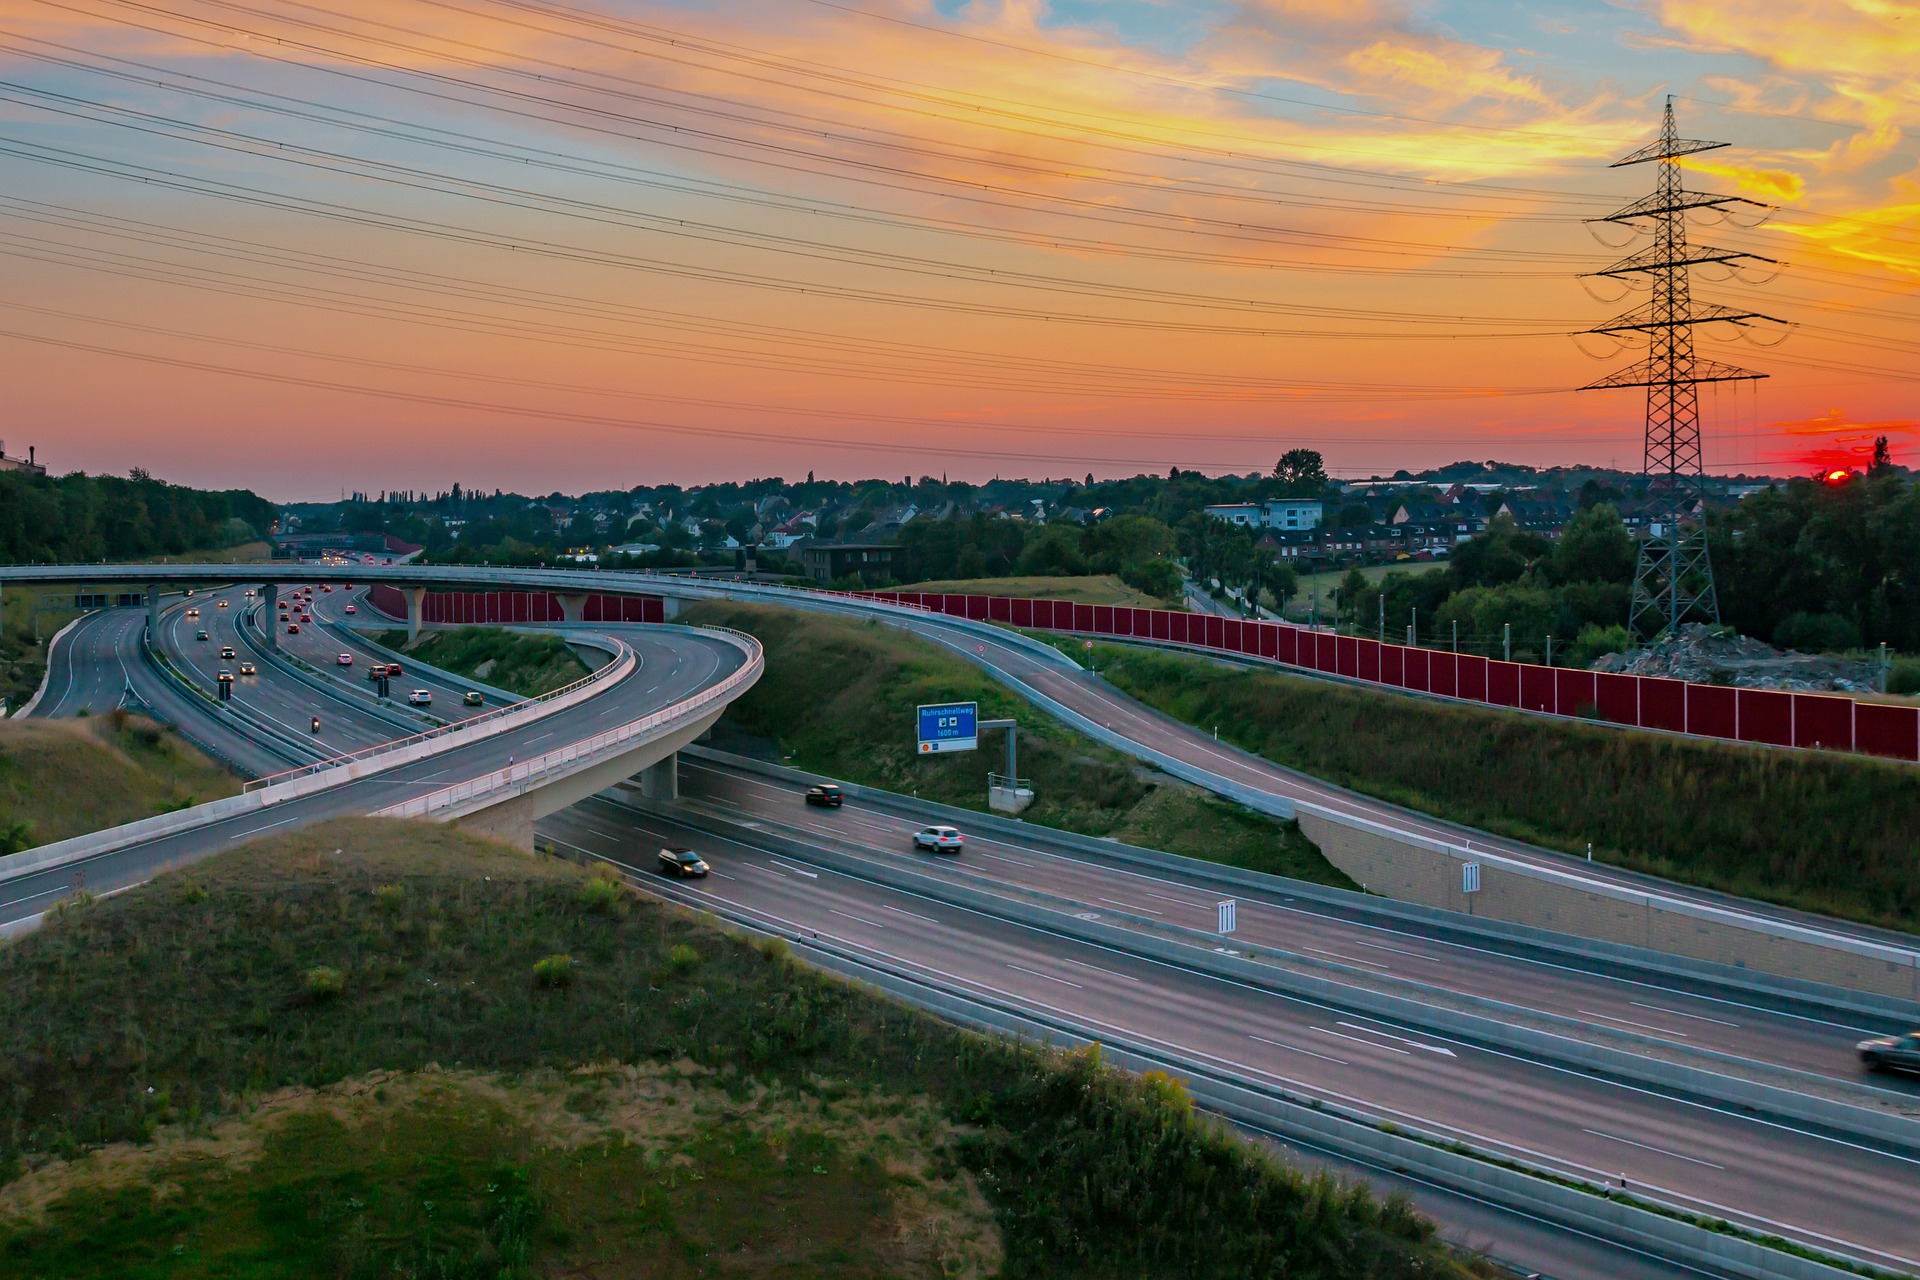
(826, 795)
(1891, 1053)
(685, 863)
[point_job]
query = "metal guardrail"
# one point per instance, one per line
(524, 775)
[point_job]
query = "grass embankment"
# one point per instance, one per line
(1813, 830)
(232, 1071)
(838, 697)
(526, 665)
(24, 639)
(1100, 588)
(61, 778)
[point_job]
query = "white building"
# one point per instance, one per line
(1247, 514)
(1293, 513)
(1276, 513)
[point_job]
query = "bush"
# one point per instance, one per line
(1816, 633)
(1904, 678)
(681, 958)
(15, 836)
(602, 895)
(391, 897)
(323, 983)
(554, 971)
(1593, 642)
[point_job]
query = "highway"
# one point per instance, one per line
(1772, 1176)
(1765, 1174)
(672, 665)
(1089, 695)
(1690, 1013)
(1047, 672)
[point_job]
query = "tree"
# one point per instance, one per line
(1882, 463)
(1301, 472)
(1595, 547)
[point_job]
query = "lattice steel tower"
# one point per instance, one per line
(1674, 580)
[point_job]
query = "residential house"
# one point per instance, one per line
(1296, 547)
(825, 561)
(1543, 516)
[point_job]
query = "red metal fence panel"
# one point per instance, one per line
(1663, 703)
(1712, 711)
(1346, 656)
(1765, 716)
(1617, 698)
(1884, 730)
(1368, 664)
(1470, 678)
(1393, 665)
(1503, 683)
(1822, 722)
(1573, 692)
(1536, 687)
(1414, 668)
(1442, 673)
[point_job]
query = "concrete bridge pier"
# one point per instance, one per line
(661, 780)
(416, 597)
(153, 612)
(270, 614)
(573, 606)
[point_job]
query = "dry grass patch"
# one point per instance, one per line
(65, 778)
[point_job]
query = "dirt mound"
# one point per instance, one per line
(1705, 656)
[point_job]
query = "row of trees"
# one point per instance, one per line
(1508, 582)
(1137, 548)
(1805, 565)
(44, 519)
(1823, 566)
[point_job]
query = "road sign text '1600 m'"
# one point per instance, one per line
(949, 726)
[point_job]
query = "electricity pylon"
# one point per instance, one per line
(1673, 582)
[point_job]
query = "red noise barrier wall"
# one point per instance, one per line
(514, 606)
(1807, 720)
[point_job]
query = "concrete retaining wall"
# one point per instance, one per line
(1429, 873)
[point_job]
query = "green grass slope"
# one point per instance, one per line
(838, 697)
(1095, 588)
(528, 665)
(61, 778)
(1814, 830)
(351, 1052)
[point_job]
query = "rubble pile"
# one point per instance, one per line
(1706, 656)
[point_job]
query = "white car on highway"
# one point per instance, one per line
(345, 659)
(420, 698)
(938, 839)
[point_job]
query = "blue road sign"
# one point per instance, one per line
(949, 726)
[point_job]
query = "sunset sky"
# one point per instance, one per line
(578, 244)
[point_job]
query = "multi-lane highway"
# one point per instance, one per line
(1686, 1012)
(1770, 1175)
(1822, 1188)
(671, 665)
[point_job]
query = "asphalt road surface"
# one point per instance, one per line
(673, 665)
(1772, 1176)
(1685, 1012)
